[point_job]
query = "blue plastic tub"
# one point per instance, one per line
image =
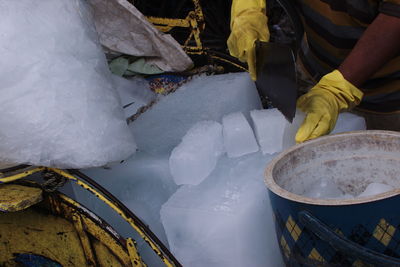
(338, 232)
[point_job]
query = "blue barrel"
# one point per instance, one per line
(338, 232)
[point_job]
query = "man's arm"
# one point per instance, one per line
(338, 90)
(379, 43)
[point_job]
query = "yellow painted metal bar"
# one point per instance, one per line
(91, 227)
(198, 40)
(193, 49)
(188, 39)
(163, 28)
(153, 246)
(20, 175)
(194, 52)
(85, 242)
(170, 22)
(198, 10)
(196, 33)
(135, 258)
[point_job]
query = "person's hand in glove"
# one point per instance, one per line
(323, 103)
(248, 24)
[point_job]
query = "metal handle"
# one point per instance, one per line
(343, 244)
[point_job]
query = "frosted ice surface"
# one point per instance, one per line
(226, 220)
(375, 189)
(204, 98)
(269, 126)
(349, 122)
(197, 155)
(143, 183)
(239, 138)
(133, 93)
(325, 188)
(58, 105)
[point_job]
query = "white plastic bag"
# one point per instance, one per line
(57, 103)
(122, 28)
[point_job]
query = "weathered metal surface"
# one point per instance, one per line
(40, 234)
(90, 227)
(98, 244)
(63, 232)
(142, 229)
(17, 197)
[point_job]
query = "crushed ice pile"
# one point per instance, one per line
(56, 88)
(220, 213)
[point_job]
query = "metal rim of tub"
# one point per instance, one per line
(275, 188)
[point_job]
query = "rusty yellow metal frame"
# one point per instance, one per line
(83, 223)
(131, 222)
(194, 20)
(21, 175)
(134, 256)
(50, 230)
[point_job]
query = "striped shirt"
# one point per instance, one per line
(332, 28)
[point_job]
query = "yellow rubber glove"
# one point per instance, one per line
(323, 103)
(248, 24)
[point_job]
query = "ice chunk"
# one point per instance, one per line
(134, 93)
(143, 183)
(269, 126)
(347, 122)
(324, 188)
(226, 220)
(375, 189)
(239, 138)
(291, 129)
(161, 128)
(197, 155)
(58, 105)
